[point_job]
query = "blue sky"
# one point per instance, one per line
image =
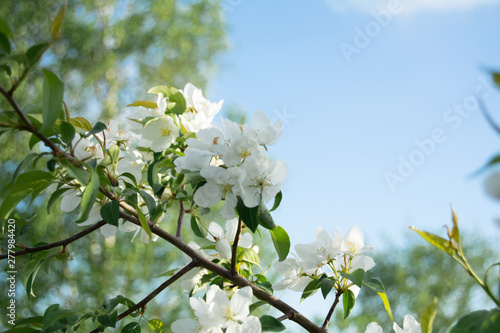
(348, 123)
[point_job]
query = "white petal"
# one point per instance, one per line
(373, 328)
(224, 248)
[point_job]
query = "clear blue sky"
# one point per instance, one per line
(348, 123)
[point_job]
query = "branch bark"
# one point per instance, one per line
(63, 242)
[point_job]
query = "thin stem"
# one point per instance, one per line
(178, 234)
(235, 247)
(330, 313)
(286, 316)
(63, 242)
(155, 292)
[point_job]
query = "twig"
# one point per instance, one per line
(178, 234)
(286, 316)
(225, 273)
(235, 247)
(155, 292)
(329, 315)
(63, 242)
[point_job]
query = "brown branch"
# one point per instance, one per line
(225, 273)
(155, 292)
(286, 316)
(235, 247)
(329, 315)
(63, 242)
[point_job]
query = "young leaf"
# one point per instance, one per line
(281, 242)
(197, 229)
(98, 127)
(265, 218)
(355, 277)
(4, 44)
(67, 132)
(271, 324)
(348, 301)
(249, 256)
(375, 285)
(34, 53)
(56, 26)
(156, 325)
(455, 232)
(146, 104)
(311, 288)
(110, 212)
(89, 195)
(132, 327)
(248, 215)
(387, 306)
(326, 287)
(80, 122)
(496, 78)
(144, 223)
(427, 316)
(277, 201)
(435, 240)
(53, 91)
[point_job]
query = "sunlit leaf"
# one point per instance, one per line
(427, 316)
(439, 242)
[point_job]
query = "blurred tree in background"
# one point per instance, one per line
(415, 274)
(109, 52)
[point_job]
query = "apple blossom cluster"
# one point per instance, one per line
(327, 254)
(232, 159)
(217, 313)
(410, 325)
(179, 130)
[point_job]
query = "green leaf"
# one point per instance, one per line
(146, 104)
(249, 256)
(281, 242)
(311, 288)
(34, 53)
(375, 285)
(108, 320)
(53, 92)
(256, 305)
(427, 316)
(265, 218)
(482, 321)
(98, 127)
(54, 196)
(156, 325)
(31, 182)
(56, 25)
(4, 44)
(326, 286)
(144, 223)
(191, 178)
(348, 300)
(67, 132)
(435, 240)
(79, 174)
(176, 101)
(387, 306)
(53, 315)
(355, 277)
(496, 78)
(277, 201)
(455, 232)
(132, 327)
(271, 324)
(248, 215)
(80, 122)
(150, 202)
(110, 212)
(89, 195)
(197, 229)
(6, 69)
(4, 28)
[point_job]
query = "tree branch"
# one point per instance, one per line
(235, 247)
(329, 315)
(155, 292)
(63, 242)
(178, 234)
(225, 273)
